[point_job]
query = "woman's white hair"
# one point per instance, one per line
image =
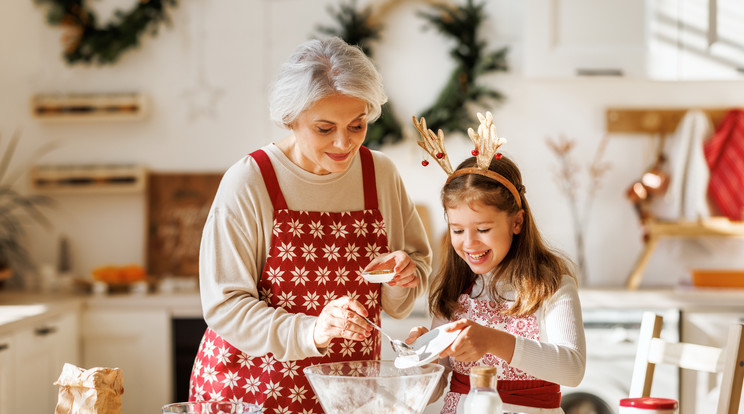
(321, 68)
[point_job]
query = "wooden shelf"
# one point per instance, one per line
(653, 120)
(89, 107)
(88, 179)
(715, 226)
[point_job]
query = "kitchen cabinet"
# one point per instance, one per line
(566, 38)
(699, 391)
(41, 349)
(7, 350)
(139, 343)
(676, 40)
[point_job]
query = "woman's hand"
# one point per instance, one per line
(340, 319)
(476, 340)
(415, 334)
(401, 263)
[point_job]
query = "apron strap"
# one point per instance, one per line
(368, 178)
(275, 193)
(269, 177)
(527, 393)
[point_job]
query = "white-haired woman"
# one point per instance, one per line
(292, 226)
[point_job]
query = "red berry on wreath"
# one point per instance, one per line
(498, 156)
(474, 152)
(440, 155)
(424, 163)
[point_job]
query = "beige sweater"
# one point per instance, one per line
(237, 237)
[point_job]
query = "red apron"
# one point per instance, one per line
(314, 257)
(514, 386)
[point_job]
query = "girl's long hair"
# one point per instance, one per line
(530, 267)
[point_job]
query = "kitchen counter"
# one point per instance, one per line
(24, 307)
(19, 306)
(683, 298)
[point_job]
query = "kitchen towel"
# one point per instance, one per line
(725, 155)
(686, 196)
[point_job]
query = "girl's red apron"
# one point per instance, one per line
(514, 386)
(314, 257)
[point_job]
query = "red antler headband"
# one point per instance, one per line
(486, 142)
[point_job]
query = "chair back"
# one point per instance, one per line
(653, 350)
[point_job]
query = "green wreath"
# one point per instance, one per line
(450, 111)
(86, 42)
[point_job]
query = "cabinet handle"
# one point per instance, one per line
(47, 330)
(599, 72)
(3, 347)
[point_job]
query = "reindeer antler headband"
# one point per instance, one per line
(486, 142)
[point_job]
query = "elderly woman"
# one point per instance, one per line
(292, 226)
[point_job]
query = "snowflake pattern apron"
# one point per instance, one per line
(514, 386)
(314, 258)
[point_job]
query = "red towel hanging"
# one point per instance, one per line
(724, 153)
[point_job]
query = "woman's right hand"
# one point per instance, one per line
(340, 319)
(415, 333)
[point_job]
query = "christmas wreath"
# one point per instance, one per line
(450, 111)
(86, 41)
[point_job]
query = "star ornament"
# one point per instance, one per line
(202, 100)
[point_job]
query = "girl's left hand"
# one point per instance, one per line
(474, 341)
(404, 267)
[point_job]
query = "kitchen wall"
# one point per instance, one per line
(232, 48)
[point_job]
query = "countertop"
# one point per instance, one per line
(23, 307)
(683, 298)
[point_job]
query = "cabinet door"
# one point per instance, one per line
(7, 349)
(699, 391)
(585, 37)
(41, 351)
(138, 343)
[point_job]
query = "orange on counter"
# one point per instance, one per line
(119, 274)
(718, 278)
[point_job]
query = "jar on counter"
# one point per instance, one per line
(648, 405)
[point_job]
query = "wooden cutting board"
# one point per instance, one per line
(177, 208)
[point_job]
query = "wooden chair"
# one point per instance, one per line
(652, 350)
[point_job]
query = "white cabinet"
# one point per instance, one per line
(585, 37)
(41, 349)
(653, 39)
(699, 391)
(7, 387)
(139, 343)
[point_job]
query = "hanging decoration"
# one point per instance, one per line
(451, 111)
(85, 41)
(202, 98)
(356, 27)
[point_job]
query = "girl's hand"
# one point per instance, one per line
(340, 319)
(401, 263)
(415, 333)
(476, 340)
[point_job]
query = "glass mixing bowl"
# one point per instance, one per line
(362, 387)
(211, 407)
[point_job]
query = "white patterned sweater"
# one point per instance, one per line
(550, 344)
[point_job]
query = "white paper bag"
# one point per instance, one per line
(89, 391)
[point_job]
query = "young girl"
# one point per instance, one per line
(514, 299)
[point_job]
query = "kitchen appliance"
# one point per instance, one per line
(366, 387)
(611, 346)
